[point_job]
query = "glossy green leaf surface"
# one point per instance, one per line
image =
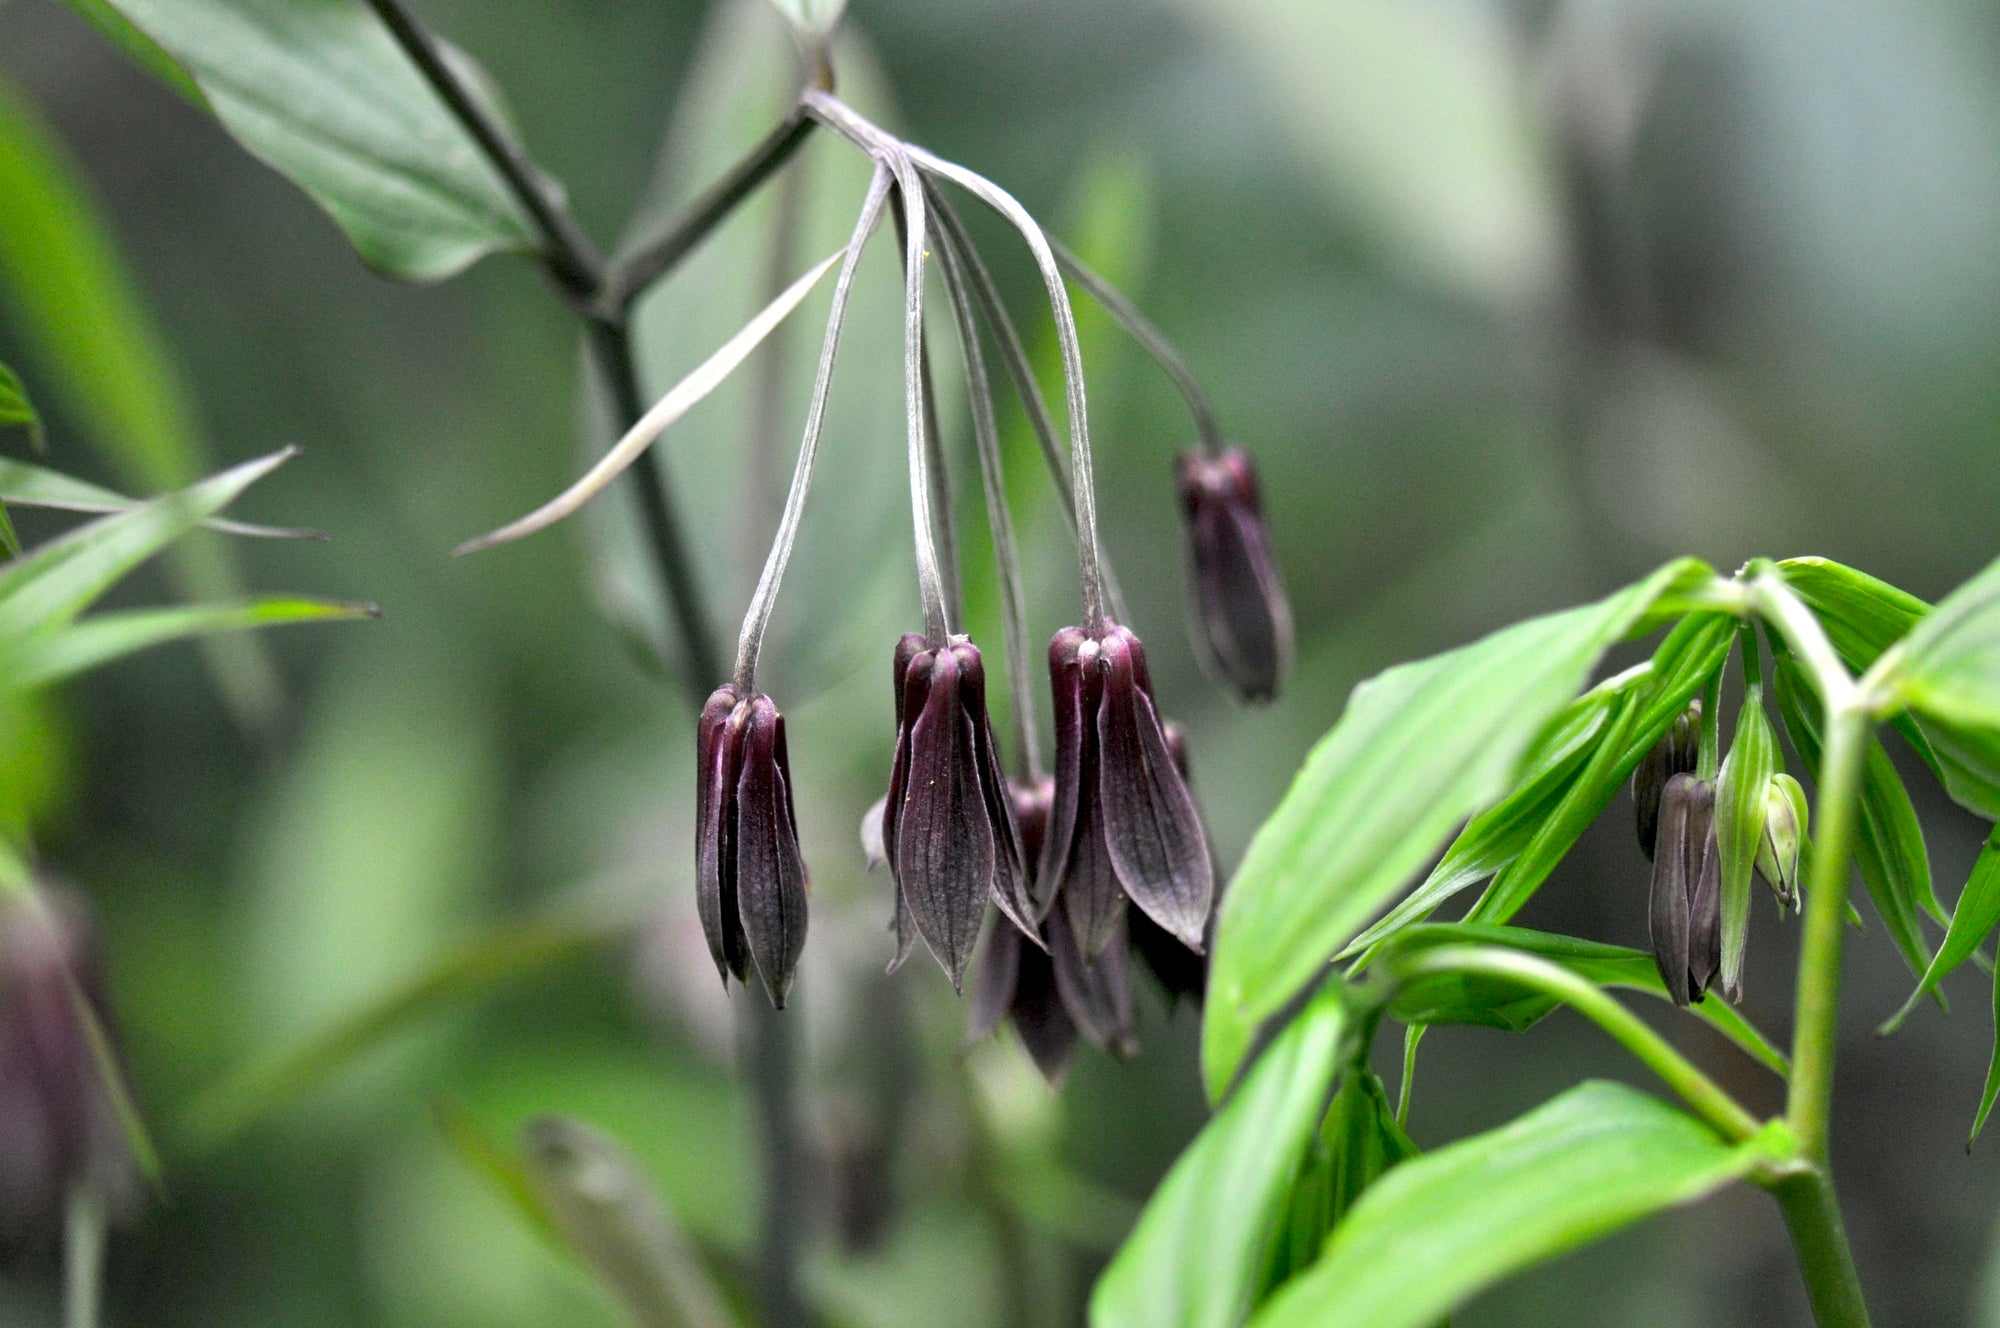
(1439, 1228)
(1196, 1258)
(1889, 850)
(1739, 824)
(1420, 748)
(319, 90)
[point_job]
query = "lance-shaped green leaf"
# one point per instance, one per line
(47, 659)
(319, 90)
(1863, 617)
(1991, 1091)
(1197, 1256)
(26, 485)
(1492, 1002)
(1739, 825)
(1978, 912)
(1440, 1228)
(1951, 661)
(50, 585)
(1890, 850)
(1356, 1144)
(15, 408)
(1420, 748)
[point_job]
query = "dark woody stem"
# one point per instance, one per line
(999, 519)
(758, 618)
(1154, 342)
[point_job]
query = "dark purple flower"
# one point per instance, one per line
(1050, 995)
(61, 1123)
(1686, 900)
(1676, 753)
(948, 826)
(1237, 610)
(1182, 973)
(1123, 825)
(750, 878)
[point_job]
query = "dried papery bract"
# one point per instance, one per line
(948, 826)
(1238, 614)
(1674, 754)
(1123, 824)
(61, 1126)
(750, 877)
(1686, 896)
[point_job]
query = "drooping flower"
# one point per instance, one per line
(61, 1116)
(1182, 973)
(948, 827)
(1686, 898)
(1237, 609)
(750, 877)
(1049, 996)
(1123, 825)
(1676, 753)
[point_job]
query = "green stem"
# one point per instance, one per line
(1700, 1092)
(1817, 1006)
(83, 1259)
(1812, 1215)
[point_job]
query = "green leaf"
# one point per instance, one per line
(48, 659)
(1951, 661)
(26, 485)
(80, 314)
(15, 408)
(462, 974)
(1460, 998)
(1864, 617)
(1197, 1255)
(1890, 850)
(1992, 1089)
(1978, 912)
(1442, 1227)
(1357, 1143)
(1739, 825)
(1420, 748)
(49, 586)
(319, 90)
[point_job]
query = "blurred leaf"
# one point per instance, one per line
(1890, 848)
(606, 1212)
(15, 408)
(143, 50)
(1977, 913)
(98, 640)
(501, 1166)
(1441, 1227)
(462, 974)
(50, 585)
(1419, 748)
(1951, 660)
(1863, 617)
(319, 90)
(1739, 825)
(812, 19)
(1198, 1252)
(26, 485)
(1460, 998)
(81, 315)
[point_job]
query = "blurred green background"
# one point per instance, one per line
(1510, 301)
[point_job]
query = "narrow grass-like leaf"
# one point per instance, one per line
(678, 401)
(1440, 1228)
(1977, 913)
(1420, 748)
(1991, 1091)
(1890, 848)
(465, 973)
(1198, 1253)
(1456, 998)
(47, 659)
(1739, 825)
(15, 408)
(50, 585)
(27, 485)
(319, 90)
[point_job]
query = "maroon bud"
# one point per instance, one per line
(750, 877)
(61, 1090)
(948, 826)
(1676, 753)
(1123, 825)
(1237, 610)
(1686, 897)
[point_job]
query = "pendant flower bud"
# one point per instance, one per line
(1237, 609)
(1676, 753)
(1686, 901)
(61, 1113)
(1123, 824)
(750, 877)
(948, 826)
(1182, 973)
(1784, 833)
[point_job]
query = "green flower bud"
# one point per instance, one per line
(1784, 833)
